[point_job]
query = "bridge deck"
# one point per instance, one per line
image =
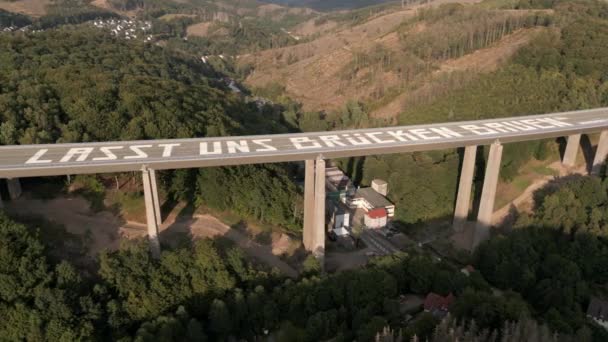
(121, 156)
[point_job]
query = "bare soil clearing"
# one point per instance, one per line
(199, 30)
(34, 8)
(103, 4)
(75, 215)
(207, 226)
(525, 201)
(311, 72)
(314, 78)
(171, 16)
(479, 62)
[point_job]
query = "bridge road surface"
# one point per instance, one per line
(122, 156)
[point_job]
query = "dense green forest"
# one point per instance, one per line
(78, 84)
(8, 19)
(554, 258)
(545, 274)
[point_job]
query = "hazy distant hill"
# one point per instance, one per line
(330, 4)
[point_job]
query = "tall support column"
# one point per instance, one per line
(318, 239)
(309, 204)
(488, 195)
(571, 151)
(463, 200)
(156, 199)
(600, 154)
(151, 216)
(14, 188)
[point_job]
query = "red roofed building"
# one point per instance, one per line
(376, 218)
(437, 304)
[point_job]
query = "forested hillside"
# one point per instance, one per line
(426, 71)
(73, 83)
(562, 69)
(78, 84)
(539, 281)
(554, 258)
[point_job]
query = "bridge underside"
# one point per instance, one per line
(488, 193)
(314, 229)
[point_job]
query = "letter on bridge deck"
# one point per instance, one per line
(488, 195)
(600, 154)
(463, 200)
(152, 210)
(571, 150)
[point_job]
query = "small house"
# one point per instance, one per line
(339, 215)
(376, 218)
(438, 305)
(467, 270)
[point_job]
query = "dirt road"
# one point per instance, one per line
(106, 229)
(525, 201)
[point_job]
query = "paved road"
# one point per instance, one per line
(59, 159)
(375, 240)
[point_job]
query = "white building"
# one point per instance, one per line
(380, 186)
(336, 180)
(369, 199)
(339, 215)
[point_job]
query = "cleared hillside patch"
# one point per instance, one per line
(34, 8)
(171, 16)
(456, 72)
(200, 29)
(395, 56)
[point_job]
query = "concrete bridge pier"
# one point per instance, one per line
(14, 188)
(153, 216)
(600, 154)
(463, 199)
(314, 208)
(571, 151)
(488, 195)
(309, 203)
(319, 228)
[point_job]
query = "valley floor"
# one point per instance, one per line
(106, 229)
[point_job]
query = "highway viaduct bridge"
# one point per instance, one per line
(314, 148)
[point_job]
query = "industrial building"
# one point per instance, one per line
(343, 199)
(369, 199)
